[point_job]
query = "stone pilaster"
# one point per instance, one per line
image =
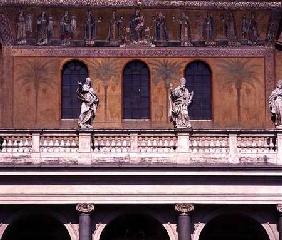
(184, 224)
(85, 210)
(279, 209)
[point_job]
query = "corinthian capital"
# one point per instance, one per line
(279, 208)
(85, 207)
(184, 208)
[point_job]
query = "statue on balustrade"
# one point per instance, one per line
(275, 105)
(209, 29)
(44, 29)
(137, 27)
(180, 99)
(90, 29)
(184, 32)
(68, 28)
(89, 103)
(160, 28)
(115, 30)
(23, 25)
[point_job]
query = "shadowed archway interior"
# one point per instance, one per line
(35, 227)
(134, 227)
(233, 227)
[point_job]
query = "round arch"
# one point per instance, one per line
(198, 76)
(107, 219)
(136, 90)
(33, 226)
(206, 218)
(72, 71)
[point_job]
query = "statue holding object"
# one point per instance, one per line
(180, 99)
(89, 104)
(275, 105)
(68, 28)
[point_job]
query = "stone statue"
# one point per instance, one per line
(115, 29)
(160, 28)
(180, 99)
(209, 29)
(137, 26)
(68, 28)
(90, 29)
(42, 29)
(21, 29)
(275, 105)
(184, 34)
(89, 104)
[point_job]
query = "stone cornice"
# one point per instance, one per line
(147, 3)
(141, 52)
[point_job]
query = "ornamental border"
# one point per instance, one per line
(146, 3)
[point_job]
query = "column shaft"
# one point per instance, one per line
(84, 226)
(184, 227)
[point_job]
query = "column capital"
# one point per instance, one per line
(85, 207)
(279, 208)
(184, 208)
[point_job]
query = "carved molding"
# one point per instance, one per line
(184, 208)
(33, 51)
(148, 3)
(279, 208)
(85, 207)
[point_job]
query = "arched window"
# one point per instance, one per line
(136, 102)
(198, 79)
(72, 73)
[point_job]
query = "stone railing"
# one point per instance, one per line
(140, 147)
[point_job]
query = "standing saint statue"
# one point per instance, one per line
(89, 104)
(275, 105)
(180, 99)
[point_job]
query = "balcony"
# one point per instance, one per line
(140, 148)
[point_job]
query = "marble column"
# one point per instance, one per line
(84, 210)
(184, 223)
(279, 209)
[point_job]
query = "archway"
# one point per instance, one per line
(34, 227)
(134, 227)
(233, 227)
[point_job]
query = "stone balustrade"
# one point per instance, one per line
(140, 148)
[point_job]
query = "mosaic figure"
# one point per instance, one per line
(21, 29)
(209, 29)
(115, 29)
(160, 28)
(90, 29)
(137, 26)
(42, 29)
(184, 32)
(68, 28)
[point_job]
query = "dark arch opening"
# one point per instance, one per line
(136, 90)
(134, 227)
(36, 227)
(198, 79)
(233, 227)
(73, 72)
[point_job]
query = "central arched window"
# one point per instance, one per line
(198, 79)
(72, 73)
(136, 98)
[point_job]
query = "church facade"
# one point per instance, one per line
(134, 176)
